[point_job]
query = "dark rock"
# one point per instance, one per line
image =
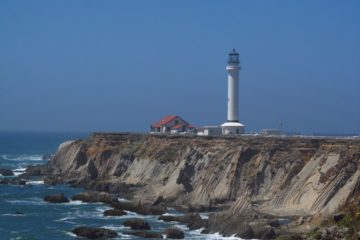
(168, 218)
(185, 176)
(94, 233)
(338, 216)
(174, 233)
(137, 224)
(57, 198)
(268, 233)
(159, 200)
(19, 213)
(51, 180)
(145, 234)
(114, 212)
(6, 172)
(13, 181)
(33, 171)
(139, 208)
(92, 170)
(95, 197)
(193, 221)
(262, 230)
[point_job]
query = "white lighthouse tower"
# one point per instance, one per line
(232, 125)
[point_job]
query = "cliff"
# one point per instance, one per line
(241, 177)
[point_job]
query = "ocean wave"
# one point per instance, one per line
(13, 215)
(64, 219)
(19, 171)
(22, 157)
(30, 201)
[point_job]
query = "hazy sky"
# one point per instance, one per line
(121, 65)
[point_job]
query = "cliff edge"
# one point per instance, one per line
(243, 179)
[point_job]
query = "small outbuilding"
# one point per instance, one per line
(172, 124)
(210, 131)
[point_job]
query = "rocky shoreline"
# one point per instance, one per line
(259, 187)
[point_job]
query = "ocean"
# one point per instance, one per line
(25, 216)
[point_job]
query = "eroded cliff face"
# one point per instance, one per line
(243, 176)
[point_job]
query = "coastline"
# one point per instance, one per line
(242, 179)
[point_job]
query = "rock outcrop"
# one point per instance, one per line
(244, 178)
(94, 233)
(56, 198)
(174, 233)
(95, 197)
(137, 224)
(6, 172)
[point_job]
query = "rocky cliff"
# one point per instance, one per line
(243, 178)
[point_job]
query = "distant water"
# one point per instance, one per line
(25, 216)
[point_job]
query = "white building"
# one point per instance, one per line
(171, 124)
(232, 125)
(271, 132)
(210, 131)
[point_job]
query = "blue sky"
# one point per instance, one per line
(121, 65)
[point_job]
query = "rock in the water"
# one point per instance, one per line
(174, 233)
(114, 212)
(137, 224)
(169, 218)
(13, 181)
(139, 208)
(95, 197)
(33, 171)
(94, 233)
(18, 213)
(6, 172)
(145, 234)
(57, 198)
(192, 220)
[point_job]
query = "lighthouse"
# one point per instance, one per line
(232, 125)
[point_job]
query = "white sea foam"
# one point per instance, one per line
(64, 219)
(13, 215)
(124, 236)
(204, 215)
(70, 234)
(173, 214)
(22, 157)
(123, 200)
(196, 234)
(115, 227)
(77, 202)
(129, 213)
(29, 201)
(101, 209)
(38, 182)
(19, 171)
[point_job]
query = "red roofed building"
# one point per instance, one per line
(171, 124)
